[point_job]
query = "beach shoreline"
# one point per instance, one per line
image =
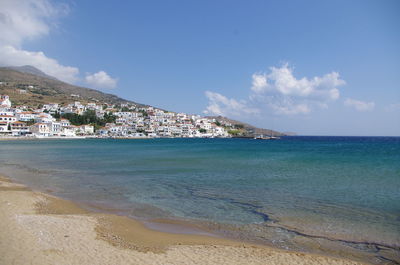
(46, 230)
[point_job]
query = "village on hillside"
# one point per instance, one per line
(103, 120)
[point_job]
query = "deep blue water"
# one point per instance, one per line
(346, 188)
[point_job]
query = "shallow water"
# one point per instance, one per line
(300, 193)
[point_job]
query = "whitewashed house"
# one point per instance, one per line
(51, 107)
(44, 118)
(4, 128)
(56, 128)
(5, 101)
(26, 116)
(6, 112)
(187, 130)
(40, 129)
(220, 132)
(69, 131)
(87, 129)
(19, 128)
(121, 120)
(65, 122)
(8, 118)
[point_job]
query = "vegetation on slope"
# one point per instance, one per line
(88, 117)
(241, 129)
(33, 90)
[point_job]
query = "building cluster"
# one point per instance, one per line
(129, 120)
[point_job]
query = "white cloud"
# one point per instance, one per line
(282, 81)
(359, 105)
(259, 83)
(11, 56)
(281, 92)
(25, 20)
(101, 80)
(287, 106)
(221, 105)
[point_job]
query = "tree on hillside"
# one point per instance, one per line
(234, 132)
(109, 118)
(56, 115)
(89, 117)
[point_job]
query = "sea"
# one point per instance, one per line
(337, 196)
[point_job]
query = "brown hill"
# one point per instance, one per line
(30, 70)
(245, 129)
(26, 87)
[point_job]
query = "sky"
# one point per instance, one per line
(310, 67)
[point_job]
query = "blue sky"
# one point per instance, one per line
(311, 67)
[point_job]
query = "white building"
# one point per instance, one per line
(8, 118)
(56, 128)
(4, 128)
(44, 118)
(6, 112)
(65, 123)
(69, 131)
(52, 107)
(26, 116)
(40, 129)
(87, 129)
(5, 101)
(19, 128)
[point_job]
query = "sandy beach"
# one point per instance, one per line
(36, 228)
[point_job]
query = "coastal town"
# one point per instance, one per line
(103, 120)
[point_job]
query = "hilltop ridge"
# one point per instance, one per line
(41, 89)
(245, 129)
(29, 69)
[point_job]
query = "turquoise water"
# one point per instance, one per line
(339, 193)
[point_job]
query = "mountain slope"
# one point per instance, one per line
(29, 69)
(246, 129)
(40, 89)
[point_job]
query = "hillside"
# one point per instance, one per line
(244, 129)
(31, 70)
(29, 86)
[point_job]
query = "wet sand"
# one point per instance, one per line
(36, 228)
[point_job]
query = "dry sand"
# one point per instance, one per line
(36, 228)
